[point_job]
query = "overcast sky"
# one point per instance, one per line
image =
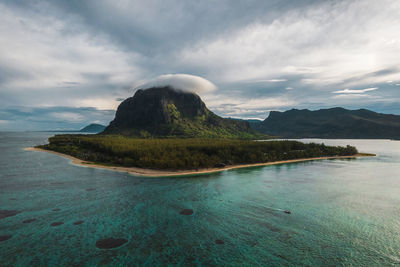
(64, 64)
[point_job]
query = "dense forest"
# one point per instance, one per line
(185, 154)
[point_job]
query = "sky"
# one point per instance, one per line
(64, 64)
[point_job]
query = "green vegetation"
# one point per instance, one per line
(166, 112)
(205, 126)
(197, 127)
(179, 154)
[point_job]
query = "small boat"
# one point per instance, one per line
(287, 211)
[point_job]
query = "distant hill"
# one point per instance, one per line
(166, 112)
(93, 128)
(330, 123)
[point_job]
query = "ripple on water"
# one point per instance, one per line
(56, 223)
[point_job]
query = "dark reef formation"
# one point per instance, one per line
(186, 212)
(29, 220)
(109, 243)
(8, 213)
(4, 237)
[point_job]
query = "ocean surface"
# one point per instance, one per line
(343, 212)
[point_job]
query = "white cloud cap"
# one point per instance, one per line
(184, 82)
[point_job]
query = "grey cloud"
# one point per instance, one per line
(158, 25)
(52, 118)
(94, 53)
(70, 83)
(374, 74)
(10, 73)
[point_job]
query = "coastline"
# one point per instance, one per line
(166, 173)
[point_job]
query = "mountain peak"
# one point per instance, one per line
(165, 111)
(93, 128)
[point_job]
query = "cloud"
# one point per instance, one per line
(268, 81)
(45, 54)
(247, 107)
(94, 53)
(276, 80)
(184, 82)
(359, 91)
(51, 118)
(67, 116)
(352, 96)
(297, 43)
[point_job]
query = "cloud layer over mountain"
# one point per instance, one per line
(245, 57)
(183, 82)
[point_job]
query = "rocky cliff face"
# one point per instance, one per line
(165, 111)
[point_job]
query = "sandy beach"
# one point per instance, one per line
(165, 173)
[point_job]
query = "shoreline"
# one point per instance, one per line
(165, 173)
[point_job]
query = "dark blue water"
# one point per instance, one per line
(344, 212)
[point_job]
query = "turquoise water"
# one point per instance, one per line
(343, 212)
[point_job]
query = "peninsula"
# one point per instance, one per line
(164, 131)
(166, 173)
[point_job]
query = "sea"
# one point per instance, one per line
(341, 212)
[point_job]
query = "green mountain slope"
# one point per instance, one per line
(166, 112)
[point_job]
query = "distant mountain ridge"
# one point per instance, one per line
(330, 123)
(167, 112)
(93, 128)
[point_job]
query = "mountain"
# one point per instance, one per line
(167, 112)
(330, 123)
(93, 128)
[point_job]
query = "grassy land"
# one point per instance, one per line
(185, 154)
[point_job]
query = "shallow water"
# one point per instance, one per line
(343, 212)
